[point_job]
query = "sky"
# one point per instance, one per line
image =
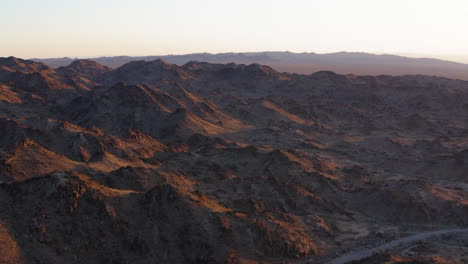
(92, 28)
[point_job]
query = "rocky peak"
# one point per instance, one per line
(17, 64)
(87, 68)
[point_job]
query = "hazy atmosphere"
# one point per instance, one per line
(89, 28)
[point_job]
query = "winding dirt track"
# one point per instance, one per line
(357, 255)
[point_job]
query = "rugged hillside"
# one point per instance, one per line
(154, 162)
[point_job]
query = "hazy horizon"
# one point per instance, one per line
(52, 28)
(448, 57)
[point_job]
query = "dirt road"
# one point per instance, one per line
(357, 255)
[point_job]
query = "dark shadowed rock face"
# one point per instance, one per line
(225, 163)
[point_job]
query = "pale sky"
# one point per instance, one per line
(90, 28)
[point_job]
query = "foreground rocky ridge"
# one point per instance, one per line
(222, 163)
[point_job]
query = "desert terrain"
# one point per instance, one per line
(154, 162)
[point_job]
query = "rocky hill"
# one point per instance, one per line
(155, 162)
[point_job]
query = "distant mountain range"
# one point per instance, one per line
(304, 63)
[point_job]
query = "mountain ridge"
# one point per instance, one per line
(359, 63)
